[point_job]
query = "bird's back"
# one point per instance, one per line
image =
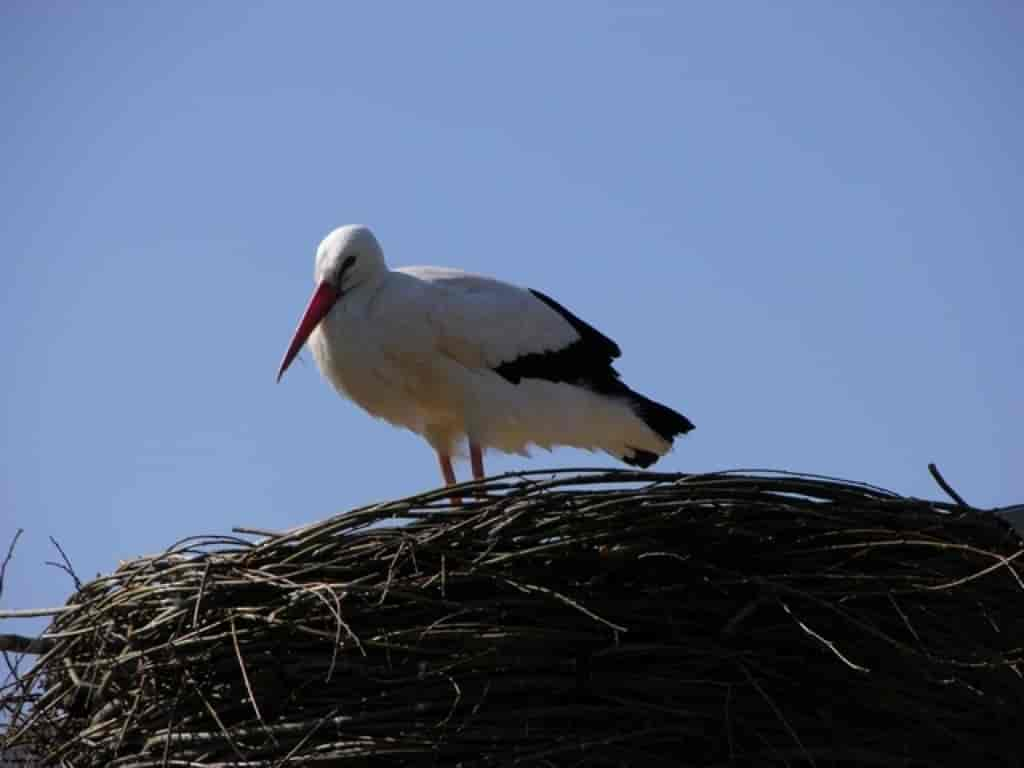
(484, 322)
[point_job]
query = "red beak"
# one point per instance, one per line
(323, 299)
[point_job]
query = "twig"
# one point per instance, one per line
(824, 641)
(249, 530)
(29, 613)
(22, 644)
(68, 568)
(778, 713)
(906, 621)
(217, 719)
(302, 742)
(946, 486)
(199, 596)
(568, 601)
(7, 559)
(1003, 562)
(245, 674)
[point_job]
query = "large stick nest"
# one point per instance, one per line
(602, 618)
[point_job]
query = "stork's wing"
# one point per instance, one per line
(517, 332)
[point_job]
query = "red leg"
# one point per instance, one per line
(446, 468)
(476, 458)
(448, 473)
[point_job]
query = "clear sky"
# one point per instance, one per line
(803, 223)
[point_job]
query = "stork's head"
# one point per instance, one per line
(348, 257)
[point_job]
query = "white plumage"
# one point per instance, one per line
(458, 357)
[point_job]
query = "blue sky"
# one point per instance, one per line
(801, 221)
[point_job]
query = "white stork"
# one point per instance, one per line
(455, 356)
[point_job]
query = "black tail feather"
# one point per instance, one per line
(642, 459)
(660, 418)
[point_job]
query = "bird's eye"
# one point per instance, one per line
(348, 262)
(345, 265)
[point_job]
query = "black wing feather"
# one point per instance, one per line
(587, 362)
(590, 356)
